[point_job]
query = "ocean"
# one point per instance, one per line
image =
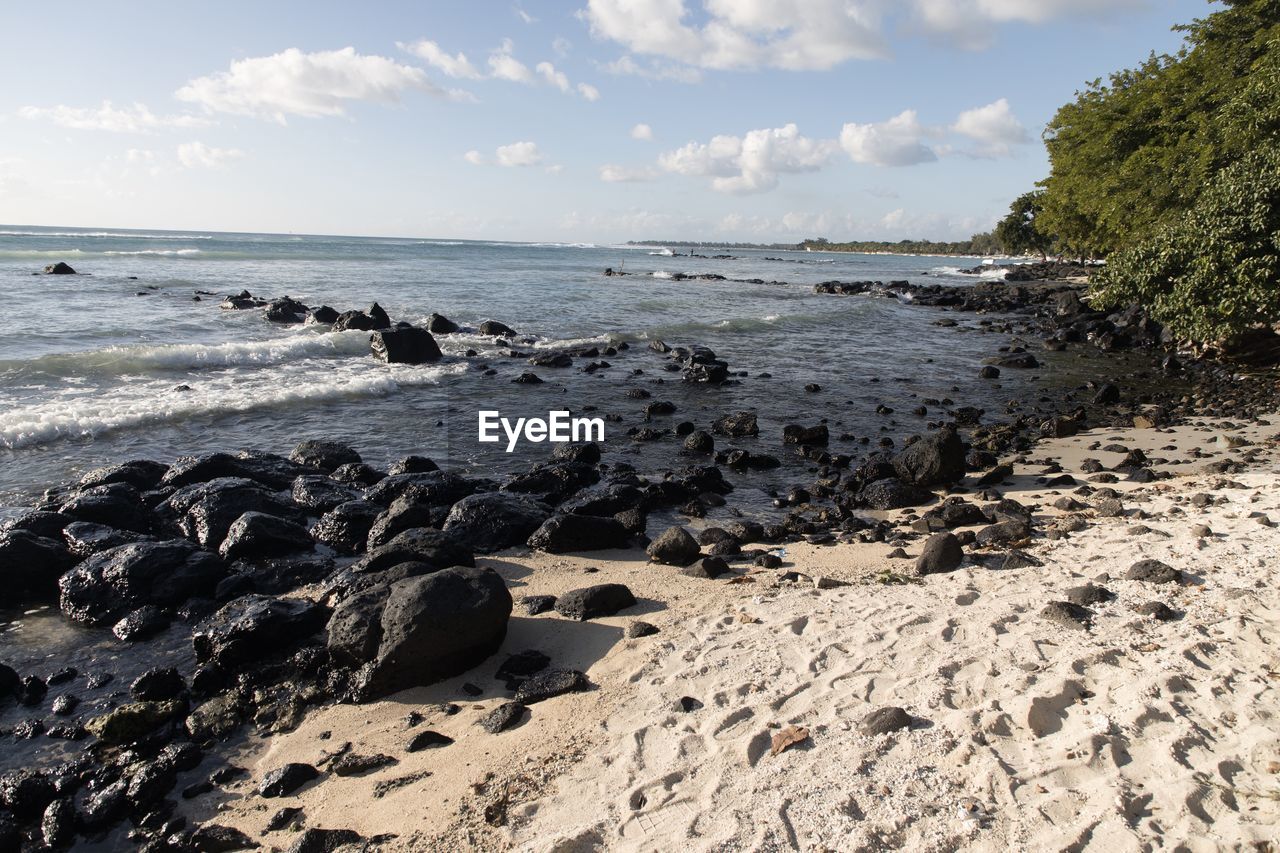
(135, 359)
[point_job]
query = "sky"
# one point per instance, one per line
(585, 120)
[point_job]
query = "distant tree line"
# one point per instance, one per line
(978, 244)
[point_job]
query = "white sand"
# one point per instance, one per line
(1027, 735)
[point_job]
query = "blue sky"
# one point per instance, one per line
(589, 120)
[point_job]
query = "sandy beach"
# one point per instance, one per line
(1022, 731)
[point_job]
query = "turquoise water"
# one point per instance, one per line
(91, 372)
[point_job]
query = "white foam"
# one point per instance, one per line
(157, 252)
(109, 234)
(121, 360)
(661, 274)
(70, 415)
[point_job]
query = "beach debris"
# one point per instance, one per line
(285, 780)
(535, 604)
(503, 717)
(594, 601)
(551, 683)
(283, 818)
(787, 738)
(884, 720)
(1153, 571)
(640, 628)
(353, 764)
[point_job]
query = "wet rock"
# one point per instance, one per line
(318, 493)
(141, 624)
(882, 721)
(737, 425)
(699, 442)
(527, 378)
(286, 310)
(555, 482)
(60, 268)
(435, 488)
(58, 824)
(594, 602)
(85, 538)
(65, 705)
(346, 527)
(132, 722)
(492, 328)
(31, 690)
(142, 474)
(413, 465)
(357, 321)
(1067, 615)
(574, 534)
(439, 324)
(549, 684)
(205, 511)
(1019, 361)
(324, 315)
(48, 525)
(117, 505)
(283, 781)
(797, 434)
(1153, 571)
(158, 684)
(989, 372)
(30, 566)
(941, 553)
(150, 784)
(244, 630)
(434, 627)
(26, 793)
(503, 717)
(325, 455)
(255, 535)
(405, 346)
(160, 573)
(436, 548)
(215, 719)
(358, 475)
(674, 547)
(492, 521)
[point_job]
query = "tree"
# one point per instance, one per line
(1132, 155)
(1018, 232)
(1213, 273)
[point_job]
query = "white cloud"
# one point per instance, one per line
(751, 163)
(560, 46)
(139, 155)
(555, 78)
(971, 24)
(994, 126)
(642, 132)
(896, 142)
(622, 174)
(475, 158)
(137, 118)
(504, 66)
(790, 34)
(306, 84)
(589, 92)
(625, 66)
(525, 16)
(454, 66)
(197, 155)
(518, 154)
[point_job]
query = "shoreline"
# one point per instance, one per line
(582, 762)
(303, 700)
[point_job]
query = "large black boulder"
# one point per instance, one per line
(268, 469)
(892, 493)
(405, 346)
(674, 547)
(492, 521)
(60, 268)
(318, 493)
(140, 473)
(935, 460)
(554, 482)
(493, 328)
(737, 425)
(594, 601)
(205, 511)
(573, 534)
(441, 325)
(116, 505)
(345, 528)
(256, 534)
(286, 310)
(325, 455)
(418, 544)
(30, 566)
(108, 584)
(436, 488)
(405, 513)
(941, 553)
(247, 629)
(84, 538)
(436, 626)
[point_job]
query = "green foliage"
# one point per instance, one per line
(979, 244)
(1130, 156)
(1018, 232)
(1214, 271)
